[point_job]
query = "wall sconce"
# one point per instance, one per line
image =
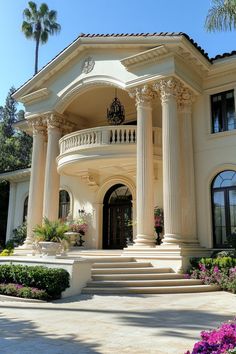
(81, 212)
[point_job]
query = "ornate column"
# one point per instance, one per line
(169, 90)
(145, 174)
(36, 189)
(187, 167)
(52, 178)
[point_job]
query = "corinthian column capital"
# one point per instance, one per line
(185, 100)
(170, 87)
(37, 125)
(143, 95)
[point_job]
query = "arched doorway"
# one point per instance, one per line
(117, 217)
(224, 207)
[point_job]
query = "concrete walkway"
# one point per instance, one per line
(158, 324)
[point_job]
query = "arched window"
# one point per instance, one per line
(25, 209)
(224, 207)
(64, 204)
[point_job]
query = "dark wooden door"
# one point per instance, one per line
(117, 229)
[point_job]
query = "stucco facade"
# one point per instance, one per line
(165, 152)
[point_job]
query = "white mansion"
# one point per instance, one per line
(176, 147)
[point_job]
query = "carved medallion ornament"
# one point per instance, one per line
(88, 65)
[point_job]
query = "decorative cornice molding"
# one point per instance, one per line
(15, 176)
(36, 96)
(143, 95)
(145, 57)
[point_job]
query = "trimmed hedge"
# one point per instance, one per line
(53, 281)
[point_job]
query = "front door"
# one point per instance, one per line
(117, 216)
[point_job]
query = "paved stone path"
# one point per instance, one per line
(158, 324)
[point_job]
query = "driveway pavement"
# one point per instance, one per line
(157, 324)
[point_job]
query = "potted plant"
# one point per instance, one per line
(51, 236)
(77, 229)
(158, 223)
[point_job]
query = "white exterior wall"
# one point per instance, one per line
(16, 206)
(213, 153)
(84, 197)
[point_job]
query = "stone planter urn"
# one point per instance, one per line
(50, 249)
(72, 237)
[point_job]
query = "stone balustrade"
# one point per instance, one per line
(106, 135)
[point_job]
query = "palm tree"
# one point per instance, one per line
(38, 24)
(222, 16)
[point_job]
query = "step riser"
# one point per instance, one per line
(117, 277)
(121, 265)
(147, 283)
(163, 290)
(129, 270)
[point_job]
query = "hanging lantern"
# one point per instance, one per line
(116, 112)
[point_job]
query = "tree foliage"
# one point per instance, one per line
(15, 146)
(38, 24)
(221, 16)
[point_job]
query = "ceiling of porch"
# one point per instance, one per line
(90, 108)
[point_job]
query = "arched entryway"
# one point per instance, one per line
(117, 217)
(224, 207)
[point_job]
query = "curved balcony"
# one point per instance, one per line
(101, 147)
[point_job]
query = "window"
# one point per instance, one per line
(224, 207)
(25, 209)
(64, 204)
(223, 112)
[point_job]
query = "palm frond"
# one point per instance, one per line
(44, 36)
(222, 16)
(43, 10)
(27, 29)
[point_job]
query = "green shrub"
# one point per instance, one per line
(19, 236)
(6, 252)
(53, 281)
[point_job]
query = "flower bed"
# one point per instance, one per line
(220, 271)
(51, 281)
(217, 341)
(23, 291)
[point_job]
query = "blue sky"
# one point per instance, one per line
(99, 16)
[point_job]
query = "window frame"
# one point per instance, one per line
(224, 119)
(225, 191)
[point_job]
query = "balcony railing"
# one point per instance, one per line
(106, 135)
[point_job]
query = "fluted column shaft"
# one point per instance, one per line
(52, 178)
(187, 167)
(145, 173)
(169, 90)
(36, 189)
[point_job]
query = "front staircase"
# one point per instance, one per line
(125, 275)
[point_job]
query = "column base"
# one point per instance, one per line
(170, 239)
(144, 241)
(27, 249)
(174, 256)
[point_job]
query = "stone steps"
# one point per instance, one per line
(141, 276)
(127, 276)
(142, 283)
(149, 290)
